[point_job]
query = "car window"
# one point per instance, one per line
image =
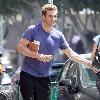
(69, 71)
(88, 76)
(5, 74)
(65, 70)
(72, 74)
(55, 71)
(73, 71)
(5, 78)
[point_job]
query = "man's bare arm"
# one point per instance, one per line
(23, 49)
(76, 57)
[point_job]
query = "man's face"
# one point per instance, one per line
(50, 18)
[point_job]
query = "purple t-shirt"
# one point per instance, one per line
(49, 43)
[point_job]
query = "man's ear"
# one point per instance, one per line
(43, 16)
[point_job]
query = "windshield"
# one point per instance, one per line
(88, 76)
(4, 78)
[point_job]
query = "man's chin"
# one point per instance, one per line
(53, 24)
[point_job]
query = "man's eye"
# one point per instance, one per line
(55, 16)
(50, 16)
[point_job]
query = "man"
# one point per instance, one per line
(34, 76)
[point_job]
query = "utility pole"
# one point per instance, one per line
(1, 34)
(62, 17)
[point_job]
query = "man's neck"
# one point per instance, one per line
(46, 27)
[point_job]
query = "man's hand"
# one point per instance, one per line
(89, 63)
(45, 58)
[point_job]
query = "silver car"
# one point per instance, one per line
(6, 87)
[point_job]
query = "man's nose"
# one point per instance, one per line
(53, 18)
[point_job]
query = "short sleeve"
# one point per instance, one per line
(64, 44)
(29, 33)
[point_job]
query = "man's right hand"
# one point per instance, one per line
(44, 58)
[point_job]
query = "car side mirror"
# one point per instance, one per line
(68, 84)
(65, 83)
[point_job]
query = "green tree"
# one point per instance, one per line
(28, 10)
(91, 17)
(91, 5)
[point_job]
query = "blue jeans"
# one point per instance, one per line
(34, 88)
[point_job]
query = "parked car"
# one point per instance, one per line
(75, 82)
(6, 86)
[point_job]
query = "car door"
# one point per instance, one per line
(56, 90)
(69, 72)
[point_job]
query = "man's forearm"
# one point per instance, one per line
(76, 57)
(27, 52)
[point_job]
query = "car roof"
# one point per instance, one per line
(58, 65)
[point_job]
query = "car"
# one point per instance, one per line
(6, 86)
(75, 82)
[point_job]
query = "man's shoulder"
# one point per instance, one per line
(33, 26)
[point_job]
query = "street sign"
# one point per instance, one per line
(50, 1)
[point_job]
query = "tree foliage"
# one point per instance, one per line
(10, 7)
(80, 4)
(25, 8)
